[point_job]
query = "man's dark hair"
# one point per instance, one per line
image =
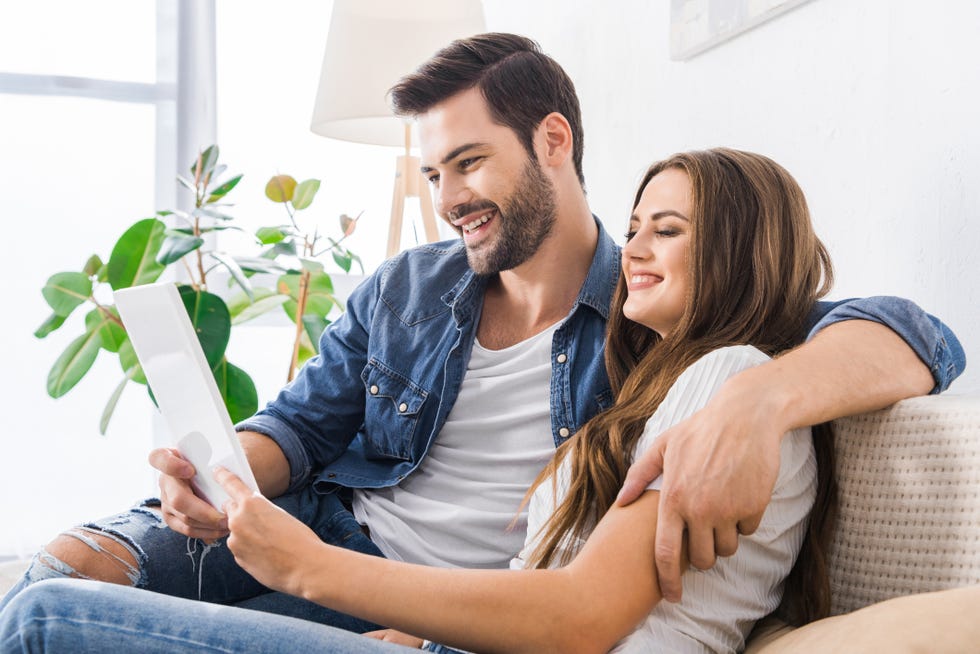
(520, 84)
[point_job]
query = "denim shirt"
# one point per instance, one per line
(364, 411)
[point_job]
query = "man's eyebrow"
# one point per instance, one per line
(455, 152)
(662, 214)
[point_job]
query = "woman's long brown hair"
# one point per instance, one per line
(756, 268)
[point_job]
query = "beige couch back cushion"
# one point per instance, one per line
(909, 519)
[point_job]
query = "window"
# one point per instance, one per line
(83, 104)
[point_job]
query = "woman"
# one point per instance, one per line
(720, 266)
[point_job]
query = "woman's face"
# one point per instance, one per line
(656, 252)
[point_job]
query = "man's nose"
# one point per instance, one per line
(451, 194)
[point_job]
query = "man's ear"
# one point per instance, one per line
(553, 140)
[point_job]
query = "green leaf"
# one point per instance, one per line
(270, 235)
(73, 363)
(237, 390)
(356, 258)
(175, 246)
(129, 362)
(238, 302)
(236, 272)
(53, 322)
(259, 265)
(342, 259)
(224, 189)
(93, 265)
(218, 171)
(280, 188)
(189, 231)
(319, 300)
(208, 159)
(314, 326)
(304, 193)
(312, 265)
(287, 248)
(110, 406)
(187, 183)
(259, 307)
(206, 212)
(210, 319)
(103, 275)
(111, 332)
(133, 260)
(66, 291)
(306, 350)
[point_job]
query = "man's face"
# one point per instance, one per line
(485, 184)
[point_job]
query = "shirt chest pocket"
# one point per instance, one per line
(393, 406)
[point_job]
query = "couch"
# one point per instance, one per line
(905, 561)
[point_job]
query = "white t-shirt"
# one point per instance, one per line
(457, 508)
(719, 605)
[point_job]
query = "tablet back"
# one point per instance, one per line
(183, 384)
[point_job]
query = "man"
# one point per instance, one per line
(458, 367)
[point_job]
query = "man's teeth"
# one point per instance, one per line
(469, 227)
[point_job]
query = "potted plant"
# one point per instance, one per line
(284, 272)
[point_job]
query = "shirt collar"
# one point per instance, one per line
(600, 283)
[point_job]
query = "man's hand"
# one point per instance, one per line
(267, 542)
(719, 468)
(720, 465)
(183, 511)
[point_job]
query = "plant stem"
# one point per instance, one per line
(304, 287)
(304, 291)
(105, 312)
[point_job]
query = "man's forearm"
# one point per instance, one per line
(268, 463)
(848, 367)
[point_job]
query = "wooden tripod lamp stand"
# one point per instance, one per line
(409, 183)
(372, 44)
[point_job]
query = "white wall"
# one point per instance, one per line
(872, 105)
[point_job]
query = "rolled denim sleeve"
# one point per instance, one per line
(934, 343)
(317, 415)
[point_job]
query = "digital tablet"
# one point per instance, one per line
(183, 385)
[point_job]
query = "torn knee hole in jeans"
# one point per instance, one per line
(49, 566)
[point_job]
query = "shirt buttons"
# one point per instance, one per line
(402, 408)
(562, 358)
(373, 390)
(563, 432)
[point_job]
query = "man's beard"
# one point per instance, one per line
(524, 221)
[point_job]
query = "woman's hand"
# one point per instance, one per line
(267, 542)
(397, 637)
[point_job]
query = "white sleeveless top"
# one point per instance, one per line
(720, 605)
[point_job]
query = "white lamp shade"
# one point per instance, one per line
(370, 46)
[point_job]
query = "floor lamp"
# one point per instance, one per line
(370, 45)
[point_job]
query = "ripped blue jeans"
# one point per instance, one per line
(172, 564)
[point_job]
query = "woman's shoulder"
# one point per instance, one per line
(696, 385)
(718, 365)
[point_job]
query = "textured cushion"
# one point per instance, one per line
(909, 523)
(909, 519)
(946, 622)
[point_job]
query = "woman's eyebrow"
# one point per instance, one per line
(662, 214)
